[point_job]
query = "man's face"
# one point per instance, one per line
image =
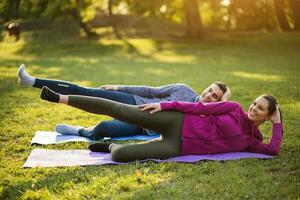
(211, 94)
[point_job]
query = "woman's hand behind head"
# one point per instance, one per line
(276, 117)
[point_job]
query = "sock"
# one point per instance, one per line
(86, 132)
(24, 78)
(67, 129)
(100, 147)
(49, 95)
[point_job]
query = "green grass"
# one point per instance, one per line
(267, 63)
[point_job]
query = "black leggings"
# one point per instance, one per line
(168, 123)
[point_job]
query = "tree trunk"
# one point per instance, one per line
(76, 16)
(113, 20)
(281, 16)
(11, 9)
(110, 13)
(295, 7)
(17, 9)
(194, 27)
(270, 16)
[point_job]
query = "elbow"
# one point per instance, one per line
(274, 152)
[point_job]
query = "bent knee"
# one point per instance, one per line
(120, 155)
(103, 129)
(104, 126)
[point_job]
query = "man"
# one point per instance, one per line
(133, 95)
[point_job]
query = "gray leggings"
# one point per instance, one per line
(168, 123)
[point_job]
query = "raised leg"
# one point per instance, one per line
(168, 123)
(68, 88)
(160, 122)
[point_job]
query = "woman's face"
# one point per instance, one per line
(211, 94)
(258, 110)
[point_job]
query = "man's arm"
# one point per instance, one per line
(145, 91)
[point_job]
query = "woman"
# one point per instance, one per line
(133, 95)
(186, 128)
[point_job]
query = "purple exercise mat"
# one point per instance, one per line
(59, 158)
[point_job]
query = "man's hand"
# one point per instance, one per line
(155, 107)
(226, 95)
(109, 87)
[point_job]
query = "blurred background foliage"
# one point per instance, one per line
(193, 17)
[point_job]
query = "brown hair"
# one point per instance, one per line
(221, 85)
(272, 102)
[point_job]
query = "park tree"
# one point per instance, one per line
(145, 8)
(21, 9)
(194, 26)
(193, 14)
(280, 6)
(10, 9)
(112, 20)
(219, 13)
(268, 16)
(253, 15)
(81, 11)
(170, 10)
(295, 7)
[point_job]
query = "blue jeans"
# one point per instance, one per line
(110, 128)
(68, 88)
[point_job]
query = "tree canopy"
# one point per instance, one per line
(194, 15)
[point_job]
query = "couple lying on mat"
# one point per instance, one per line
(188, 123)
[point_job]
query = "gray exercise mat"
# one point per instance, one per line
(61, 158)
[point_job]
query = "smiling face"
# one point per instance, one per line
(258, 111)
(211, 94)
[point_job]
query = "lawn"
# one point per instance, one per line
(250, 65)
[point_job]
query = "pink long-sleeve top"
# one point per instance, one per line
(220, 128)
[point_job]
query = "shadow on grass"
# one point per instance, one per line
(160, 180)
(68, 178)
(8, 90)
(54, 46)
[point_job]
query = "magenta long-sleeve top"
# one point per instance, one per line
(221, 127)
